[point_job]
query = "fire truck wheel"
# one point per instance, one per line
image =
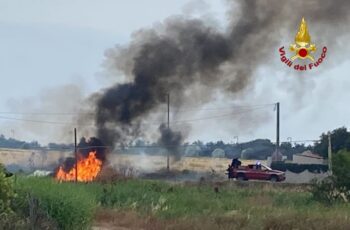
(273, 178)
(240, 177)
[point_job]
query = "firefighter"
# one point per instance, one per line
(258, 165)
(230, 171)
(235, 163)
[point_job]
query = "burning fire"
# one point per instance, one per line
(88, 169)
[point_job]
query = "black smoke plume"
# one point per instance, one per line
(185, 52)
(171, 140)
(93, 144)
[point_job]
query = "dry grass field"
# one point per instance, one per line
(132, 203)
(37, 159)
(154, 163)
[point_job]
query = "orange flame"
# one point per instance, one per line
(88, 169)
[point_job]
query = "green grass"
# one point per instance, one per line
(71, 206)
(257, 206)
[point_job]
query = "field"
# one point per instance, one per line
(143, 204)
(139, 163)
(124, 203)
(29, 160)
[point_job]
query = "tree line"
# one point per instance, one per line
(255, 149)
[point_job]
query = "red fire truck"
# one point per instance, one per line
(255, 172)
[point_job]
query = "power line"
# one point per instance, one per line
(154, 123)
(182, 109)
(214, 117)
(45, 113)
(36, 121)
(222, 108)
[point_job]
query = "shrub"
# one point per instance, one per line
(325, 190)
(341, 171)
(8, 218)
(337, 186)
(6, 192)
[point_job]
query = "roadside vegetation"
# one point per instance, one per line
(44, 203)
(336, 187)
(52, 205)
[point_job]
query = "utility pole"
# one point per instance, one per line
(278, 127)
(167, 165)
(329, 154)
(76, 155)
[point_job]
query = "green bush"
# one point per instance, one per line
(6, 192)
(298, 168)
(70, 205)
(335, 187)
(325, 191)
(8, 218)
(251, 206)
(341, 171)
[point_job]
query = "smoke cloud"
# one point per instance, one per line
(192, 61)
(171, 140)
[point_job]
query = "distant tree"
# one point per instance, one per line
(220, 144)
(299, 148)
(208, 149)
(13, 143)
(341, 165)
(340, 140)
(257, 149)
(286, 149)
(199, 143)
(56, 146)
(233, 151)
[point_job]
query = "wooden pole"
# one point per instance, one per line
(167, 165)
(278, 127)
(76, 155)
(329, 154)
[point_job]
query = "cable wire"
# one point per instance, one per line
(155, 123)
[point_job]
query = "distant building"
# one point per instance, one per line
(308, 157)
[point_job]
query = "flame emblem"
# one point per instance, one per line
(303, 47)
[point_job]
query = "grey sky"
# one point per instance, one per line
(48, 44)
